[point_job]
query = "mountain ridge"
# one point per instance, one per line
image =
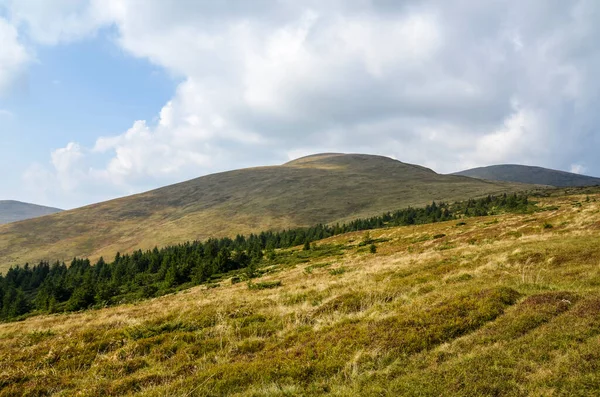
(325, 188)
(14, 211)
(530, 174)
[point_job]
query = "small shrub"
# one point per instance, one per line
(367, 239)
(372, 248)
(264, 285)
(446, 246)
(236, 279)
(438, 236)
(338, 271)
(547, 225)
(309, 269)
(421, 239)
(515, 234)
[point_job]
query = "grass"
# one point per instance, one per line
(326, 189)
(500, 316)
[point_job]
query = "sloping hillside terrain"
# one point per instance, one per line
(529, 174)
(498, 305)
(13, 211)
(316, 189)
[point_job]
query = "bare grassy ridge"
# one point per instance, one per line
(501, 305)
(13, 211)
(529, 174)
(316, 189)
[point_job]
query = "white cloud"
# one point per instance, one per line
(578, 169)
(521, 136)
(52, 22)
(13, 56)
(443, 84)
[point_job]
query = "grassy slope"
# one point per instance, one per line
(503, 305)
(13, 211)
(317, 189)
(528, 174)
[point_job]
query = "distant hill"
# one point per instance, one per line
(12, 211)
(531, 175)
(322, 188)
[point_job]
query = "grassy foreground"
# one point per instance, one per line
(503, 305)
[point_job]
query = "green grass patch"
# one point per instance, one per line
(264, 285)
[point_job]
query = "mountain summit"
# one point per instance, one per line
(323, 188)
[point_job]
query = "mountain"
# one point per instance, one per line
(531, 175)
(12, 211)
(315, 189)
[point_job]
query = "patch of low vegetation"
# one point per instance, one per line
(512, 317)
(338, 271)
(264, 285)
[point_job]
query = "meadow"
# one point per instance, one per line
(497, 305)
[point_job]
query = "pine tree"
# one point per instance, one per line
(306, 246)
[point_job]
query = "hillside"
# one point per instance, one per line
(13, 211)
(315, 189)
(501, 305)
(531, 175)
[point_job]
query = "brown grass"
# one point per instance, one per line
(480, 311)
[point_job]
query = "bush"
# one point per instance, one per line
(264, 285)
(338, 271)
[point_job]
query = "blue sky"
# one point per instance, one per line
(104, 98)
(76, 92)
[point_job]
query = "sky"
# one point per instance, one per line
(105, 98)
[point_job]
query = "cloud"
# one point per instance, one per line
(577, 169)
(57, 21)
(449, 85)
(13, 57)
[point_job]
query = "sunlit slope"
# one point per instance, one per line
(315, 189)
(503, 305)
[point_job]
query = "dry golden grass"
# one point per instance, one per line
(503, 305)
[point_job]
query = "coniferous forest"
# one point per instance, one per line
(57, 287)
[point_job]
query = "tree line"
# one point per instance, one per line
(56, 287)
